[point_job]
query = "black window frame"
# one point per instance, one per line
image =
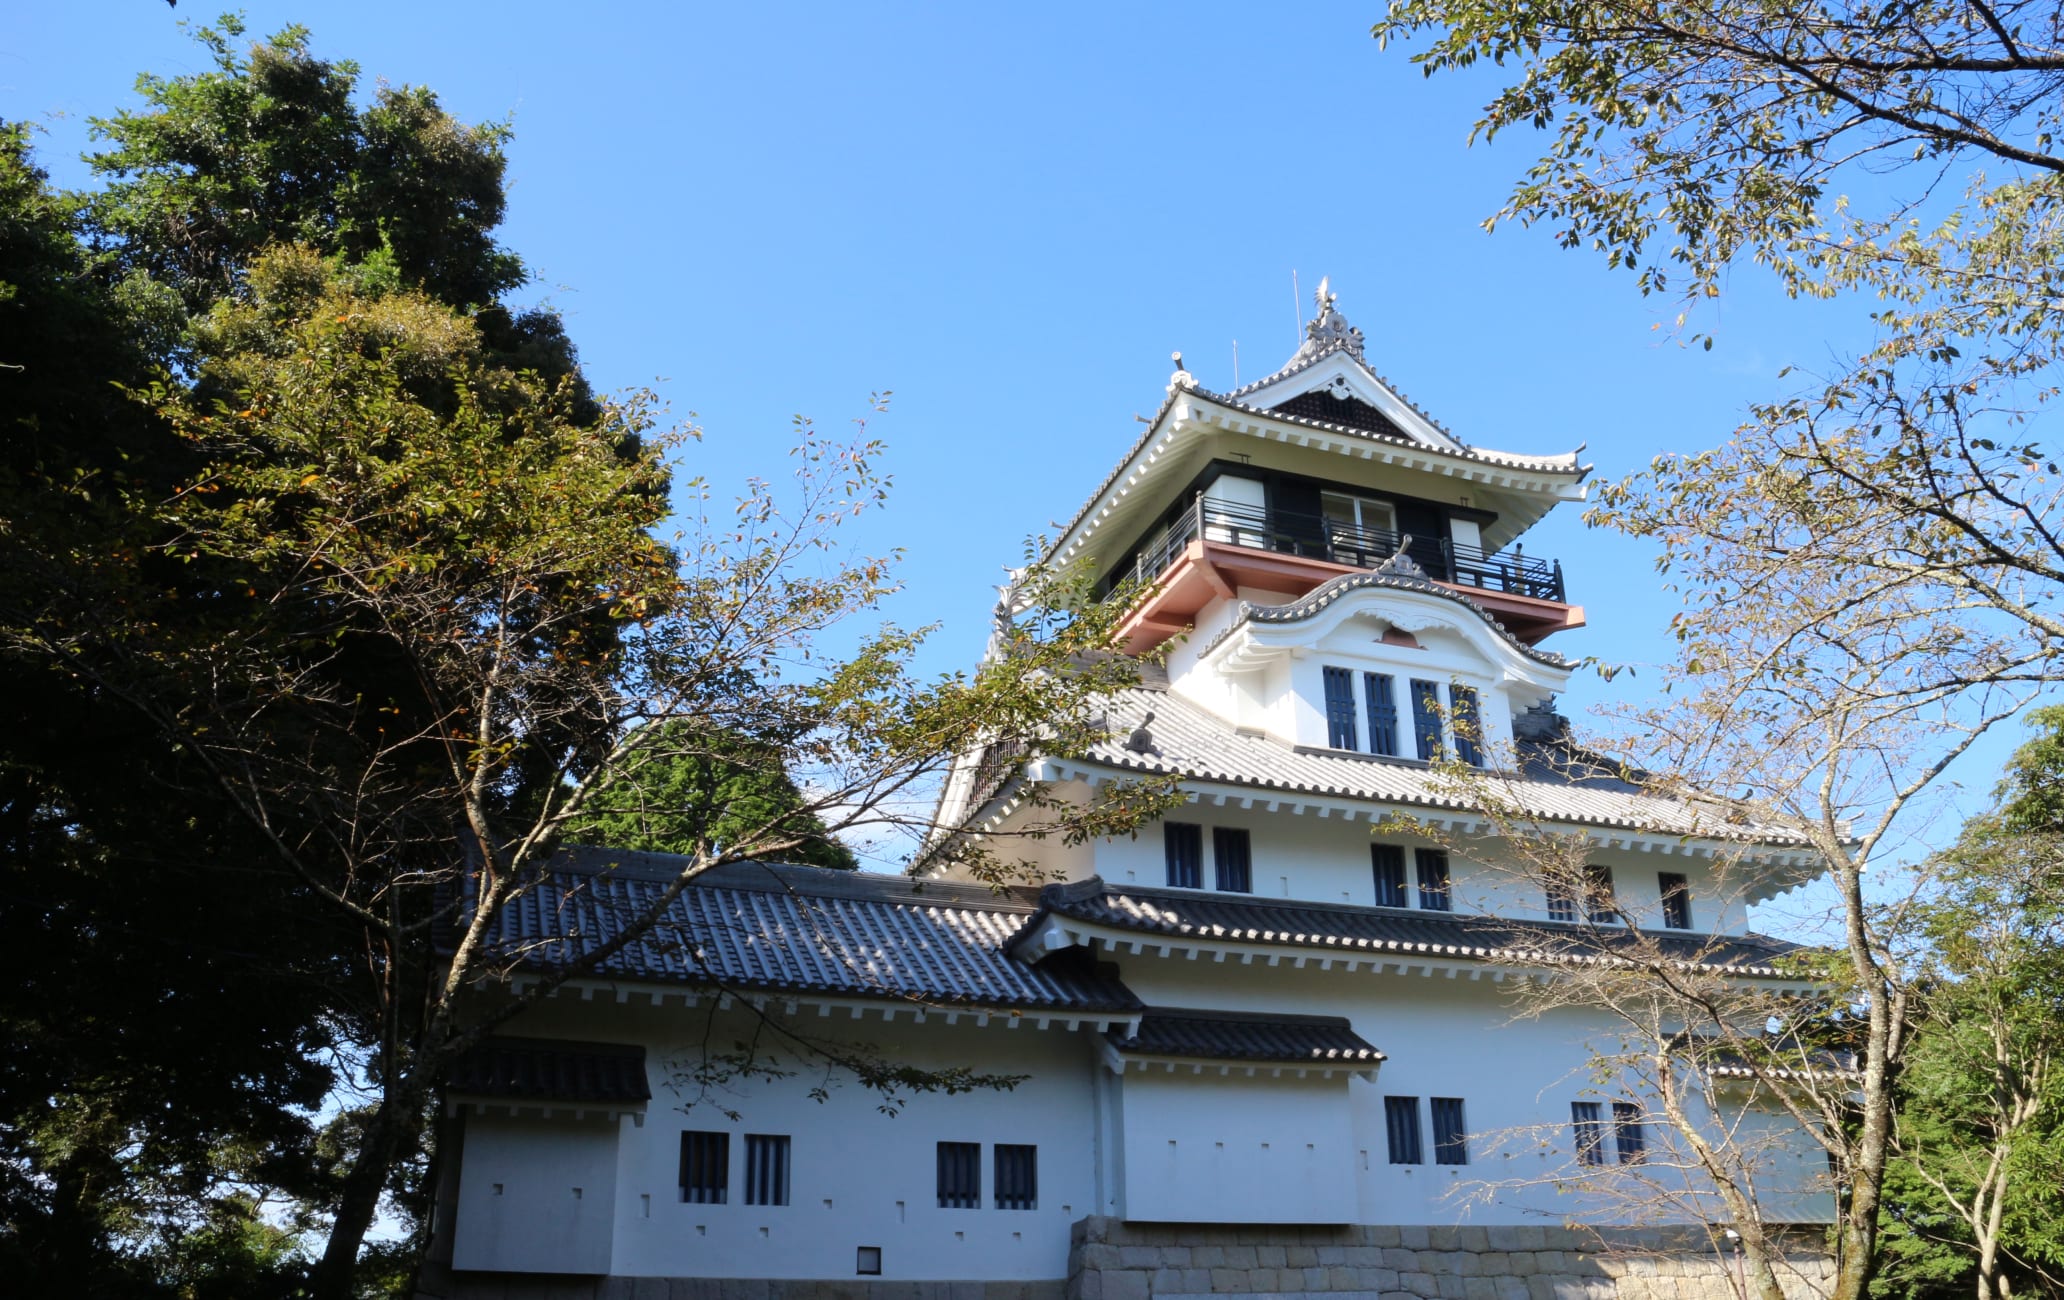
(1387, 867)
(1016, 1176)
(1450, 1130)
(1562, 898)
(1379, 695)
(1630, 1136)
(1340, 707)
(1465, 719)
(1232, 859)
(1675, 888)
(1426, 721)
(1601, 906)
(766, 1169)
(1401, 1131)
(705, 1167)
(1587, 1125)
(1436, 880)
(960, 1176)
(1183, 848)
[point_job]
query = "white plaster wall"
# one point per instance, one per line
(858, 1176)
(537, 1195)
(1212, 1148)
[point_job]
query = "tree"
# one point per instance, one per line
(687, 790)
(1868, 567)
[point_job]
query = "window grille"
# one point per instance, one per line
(1676, 899)
(1598, 894)
(1185, 849)
(1467, 724)
(1426, 719)
(1401, 1124)
(1590, 1129)
(960, 1175)
(1450, 1135)
(1628, 1134)
(1562, 899)
(1340, 719)
(705, 1167)
(1017, 1177)
(1232, 858)
(1381, 694)
(1389, 863)
(1435, 893)
(766, 1169)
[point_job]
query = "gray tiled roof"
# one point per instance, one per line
(546, 1069)
(1554, 782)
(799, 930)
(1245, 1036)
(1239, 918)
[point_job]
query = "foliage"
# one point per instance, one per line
(685, 791)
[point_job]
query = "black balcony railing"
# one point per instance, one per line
(1293, 533)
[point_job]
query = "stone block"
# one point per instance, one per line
(1512, 1288)
(1315, 1280)
(1165, 1281)
(1125, 1284)
(1272, 1256)
(1479, 1288)
(1290, 1280)
(1148, 1257)
(1553, 1261)
(1300, 1256)
(1404, 1261)
(1207, 1257)
(1340, 1278)
(1443, 1236)
(1531, 1237)
(1379, 1279)
(1494, 1263)
(1331, 1255)
(1415, 1236)
(1240, 1257)
(1196, 1281)
(1451, 1287)
(1383, 1234)
(1087, 1286)
(1102, 1256)
(1228, 1281)
(1473, 1237)
(1503, 1236)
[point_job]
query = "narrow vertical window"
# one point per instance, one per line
(1381, 695)
(1389, 863)
(960, 1175)
(1435, 894)
(1562, 898)
(1676, 899)
(1232, 859)
(1340, 720)
(766, 1169)
(1184, 843)
(1426, 719)
(1589, 1127)
(1401, 1125)
(1467, 724)
(1450, 1134)
(1017, 1177)
(1598, 894)
(1628, 1135)
(705, 1167)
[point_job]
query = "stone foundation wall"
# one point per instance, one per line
(533, 1286)
(1114, 1260)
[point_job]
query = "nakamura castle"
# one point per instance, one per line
(1267, 1045)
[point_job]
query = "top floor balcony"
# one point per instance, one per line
(1214, 548)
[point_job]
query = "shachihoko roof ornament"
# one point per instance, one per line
(1329, 329)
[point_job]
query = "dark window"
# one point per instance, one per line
(1590, 1130)
(1598, 894)
(1450, 1134)
(1562, 898)
(705, 1167)
(1381, 694)
(1340, 723)
(1232, 859)
(1426, 719)
(766, 1169)
(1467, 724)
(1627, 1132)
(1676, 900)
(867, 1261)
(1185, 846)
(1401, 1122)
(960, 1175)
(1389, 860)
(1017, 1177)
(1434, 893)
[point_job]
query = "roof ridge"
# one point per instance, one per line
(1394, 578)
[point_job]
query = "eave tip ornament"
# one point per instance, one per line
(1329, 329)
(1182, 378)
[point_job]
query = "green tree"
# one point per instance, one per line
(1870, 565)
(685, 791)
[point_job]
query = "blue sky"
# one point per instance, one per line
(1010, 216)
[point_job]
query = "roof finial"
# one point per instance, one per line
(1182, 378)
(1329, 329)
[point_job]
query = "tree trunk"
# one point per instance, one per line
(1856, 1243)
(395, 1119)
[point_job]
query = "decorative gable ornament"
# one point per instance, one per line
(1328, 330)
